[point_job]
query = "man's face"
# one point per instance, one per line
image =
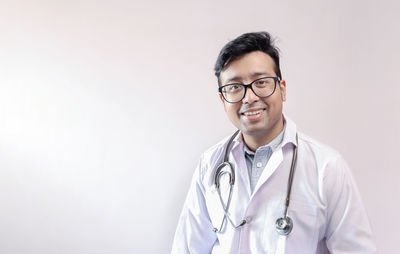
(254, 115)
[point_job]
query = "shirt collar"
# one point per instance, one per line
(273, 145)
(289, 136)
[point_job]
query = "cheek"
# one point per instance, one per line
(230, 108)
(274, 106)
(231, 111)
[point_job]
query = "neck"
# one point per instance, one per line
(254, 141)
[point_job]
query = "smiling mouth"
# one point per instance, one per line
(252, 113)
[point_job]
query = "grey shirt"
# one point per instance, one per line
(256, 161)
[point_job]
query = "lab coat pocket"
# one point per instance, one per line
(304, 233)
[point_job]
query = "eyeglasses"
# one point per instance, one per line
(262, 87)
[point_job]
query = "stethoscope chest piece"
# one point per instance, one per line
(284, 225)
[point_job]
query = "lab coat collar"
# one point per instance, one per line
(289, 136)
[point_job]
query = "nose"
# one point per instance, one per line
(250, 96)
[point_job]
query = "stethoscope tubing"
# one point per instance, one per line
(291, 176)
(284, 224)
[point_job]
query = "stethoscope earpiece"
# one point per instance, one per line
(284, 225)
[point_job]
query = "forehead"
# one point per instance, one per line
(248, 67)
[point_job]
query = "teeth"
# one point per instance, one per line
(252, 113)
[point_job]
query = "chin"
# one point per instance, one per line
(254, 131)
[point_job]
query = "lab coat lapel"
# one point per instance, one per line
(242, 175)
(273, 163)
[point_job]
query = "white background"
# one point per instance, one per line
(106, 106)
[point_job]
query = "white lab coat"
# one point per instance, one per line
(325, 206)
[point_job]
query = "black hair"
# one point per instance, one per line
(246, 43)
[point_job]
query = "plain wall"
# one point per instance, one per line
(106, 106)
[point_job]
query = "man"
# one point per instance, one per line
(290, 193)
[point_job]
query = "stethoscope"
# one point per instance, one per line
(283, 225)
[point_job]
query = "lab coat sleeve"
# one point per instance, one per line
(348, 230)
(194, 232)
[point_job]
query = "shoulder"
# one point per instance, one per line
(316, 149)
(323, 156)
(309, 148)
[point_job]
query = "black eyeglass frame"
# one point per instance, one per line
(250, 85)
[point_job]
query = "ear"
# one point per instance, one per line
(221, 98)
(282, 86)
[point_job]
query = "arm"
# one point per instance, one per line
(348, 230)
(194, 232)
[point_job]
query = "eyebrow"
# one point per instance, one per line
(252, 75)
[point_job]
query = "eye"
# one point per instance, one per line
(233, 88)
(264, 82)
